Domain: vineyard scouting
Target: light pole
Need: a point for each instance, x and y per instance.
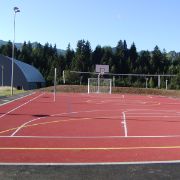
(2, 68)
(16, 10)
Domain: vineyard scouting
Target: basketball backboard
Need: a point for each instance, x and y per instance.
(102, 68)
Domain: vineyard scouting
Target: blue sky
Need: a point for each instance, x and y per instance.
(102, 22)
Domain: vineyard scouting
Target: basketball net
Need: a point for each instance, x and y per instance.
(102, 70)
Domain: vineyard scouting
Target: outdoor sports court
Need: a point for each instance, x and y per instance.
(90, 129)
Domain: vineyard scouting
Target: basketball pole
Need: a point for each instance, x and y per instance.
(98, 81)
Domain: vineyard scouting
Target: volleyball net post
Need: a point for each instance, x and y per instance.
(55, 76)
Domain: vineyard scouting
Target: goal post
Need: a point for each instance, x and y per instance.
(99, 85)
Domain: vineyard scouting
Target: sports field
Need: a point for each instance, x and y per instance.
(89, 129)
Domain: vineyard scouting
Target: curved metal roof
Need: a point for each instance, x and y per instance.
(31, 73)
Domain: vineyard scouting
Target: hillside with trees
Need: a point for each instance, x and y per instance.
(121, 60)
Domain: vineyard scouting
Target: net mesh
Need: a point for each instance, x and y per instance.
(99, 85)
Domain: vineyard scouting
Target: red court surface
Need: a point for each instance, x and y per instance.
(94, 128)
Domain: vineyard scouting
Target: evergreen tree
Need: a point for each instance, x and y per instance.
(157, 61)
(97, 56)
(121, 57)
(69, 57)
(107, 56)
(166, 62)
(120, 60)
(26, 53)
(143, 63)
(82, 58)
(133, 55)
(7, 49)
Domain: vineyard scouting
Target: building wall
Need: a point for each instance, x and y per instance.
(20, 81)
(36, 85)
(19, 78)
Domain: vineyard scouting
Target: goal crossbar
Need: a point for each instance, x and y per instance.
(99, 85)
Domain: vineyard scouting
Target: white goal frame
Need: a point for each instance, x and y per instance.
(99, 85)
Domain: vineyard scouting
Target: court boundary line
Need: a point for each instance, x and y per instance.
(92, 164)
(90, 137)
(129, 148)
(17, 99)
(124, 122)
(20, 105)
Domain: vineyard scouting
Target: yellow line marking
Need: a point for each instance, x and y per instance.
(36, 124)
(57, 121)
(1, 132)
(91, 148)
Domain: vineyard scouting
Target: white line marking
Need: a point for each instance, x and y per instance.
(151, 110)
(16, 99)
(20, 106)
(92, 164)
(163, 116)
(23, 125)
(20, 127)
(90, 137)
(124, 124)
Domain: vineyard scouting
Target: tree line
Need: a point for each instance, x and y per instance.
(121, 60)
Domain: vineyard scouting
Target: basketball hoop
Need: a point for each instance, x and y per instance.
(102, 69)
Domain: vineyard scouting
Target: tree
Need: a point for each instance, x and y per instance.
(121, 58)
(133, 55)
(69, 57)
(166, 62)
(143, 62)
(7, 49)
(97, 56)
(157, 61)
(82, 58)
(107, 56)
(26, 53)
(151, 82)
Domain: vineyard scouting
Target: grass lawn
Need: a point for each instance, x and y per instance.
(6, 91)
